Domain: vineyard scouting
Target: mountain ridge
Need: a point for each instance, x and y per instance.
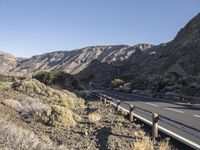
(76, 60)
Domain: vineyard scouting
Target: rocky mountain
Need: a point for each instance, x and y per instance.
(7, 62)
(171, 67)
(181, 55)
(75, 61)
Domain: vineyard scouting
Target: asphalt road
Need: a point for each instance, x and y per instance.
(187, 115)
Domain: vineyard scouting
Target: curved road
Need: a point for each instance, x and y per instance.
(187, 115)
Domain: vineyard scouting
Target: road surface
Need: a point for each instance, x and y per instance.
(187, 116)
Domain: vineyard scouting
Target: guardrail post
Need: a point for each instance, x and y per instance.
(110, 102)
(101, 99)
(154, 126)
(104, 101)
(131, 113)
(182, 98)
(118, 105)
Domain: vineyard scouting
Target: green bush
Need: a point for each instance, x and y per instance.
(5, 85)
(117, 83)
(59, 79)
(122, 113)
(59, 116)
(36, 89)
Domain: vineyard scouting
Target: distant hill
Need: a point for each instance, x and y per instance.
(7, 62)
(169, 67)
(75, 61)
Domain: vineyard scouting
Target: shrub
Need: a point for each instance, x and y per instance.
(122, 113)
(52, 107)
(116, 83)
(14, 104)
(35, 89)
(59, 79)
(59, 116)
(145, 143)
(31, 105)
(14, 137)
(5, 85)
(94, 117)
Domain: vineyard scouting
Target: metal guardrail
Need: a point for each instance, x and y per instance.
(181, 98)
(169, 97)
(154, 122)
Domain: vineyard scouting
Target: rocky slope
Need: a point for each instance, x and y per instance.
(7, 62)
(35, 116)
(173, 66)
(169, 67)
(76, 60)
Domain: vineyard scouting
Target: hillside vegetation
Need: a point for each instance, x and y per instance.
(36, 116)
(59, 79)
(36, 100)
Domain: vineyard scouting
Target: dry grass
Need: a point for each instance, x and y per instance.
(144, 142)
(164, 145)
(59, 116)
(14, 104)
(94, 117)
(5, 85)
(16, 138)
(35, 89)
(52, 107)
(31, 105)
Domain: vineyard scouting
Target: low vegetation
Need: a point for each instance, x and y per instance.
(59, 116)
(14, 104)
(145, 143)
(5, 85)
(117, 83)
(94, 117)
(41, 117)
(14, 137)
(37, 102)
(59, 79)
(35, 89)
(122, 113)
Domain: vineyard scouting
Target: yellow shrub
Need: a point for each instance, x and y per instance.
(5, 85)
(59, 116)
(94, 117)
(14, 104)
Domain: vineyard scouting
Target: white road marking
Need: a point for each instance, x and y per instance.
(196, 116)
(181, 138)
(174, 110)
(152, 104)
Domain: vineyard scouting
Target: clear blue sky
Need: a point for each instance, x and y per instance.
(29, 27)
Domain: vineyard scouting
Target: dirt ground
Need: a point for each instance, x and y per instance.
(110, 130)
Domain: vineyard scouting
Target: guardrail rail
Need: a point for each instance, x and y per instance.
(120, 105)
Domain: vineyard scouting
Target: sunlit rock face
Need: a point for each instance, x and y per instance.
(168, 67)
(77, 60)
